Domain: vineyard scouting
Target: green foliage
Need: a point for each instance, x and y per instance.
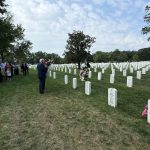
(21, 50)
(144, 54)
(39, 55)
(122, 56)
(56, 58)
(146, 29)
(34, 57)
(12, 40)
(135, 57)
(101, 56)
(77, 48)
(2, 7)
(118, 56)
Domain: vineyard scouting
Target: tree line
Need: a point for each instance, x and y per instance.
(122, 56)
(99, 56)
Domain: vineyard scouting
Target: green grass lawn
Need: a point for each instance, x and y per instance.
(66, 119)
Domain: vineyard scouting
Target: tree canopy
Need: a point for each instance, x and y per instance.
(12, 40)
(122, 56)
(78, 46)
(146, 29)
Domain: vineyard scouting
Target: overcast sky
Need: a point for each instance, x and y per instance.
(116, 24)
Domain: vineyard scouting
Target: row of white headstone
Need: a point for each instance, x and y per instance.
(112, 92)
(112, 78)
(120, 66)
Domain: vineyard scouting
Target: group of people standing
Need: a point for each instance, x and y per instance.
(8, 70)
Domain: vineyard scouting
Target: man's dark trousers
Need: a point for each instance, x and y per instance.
(41, 85)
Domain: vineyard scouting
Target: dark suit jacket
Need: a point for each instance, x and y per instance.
(42, 70)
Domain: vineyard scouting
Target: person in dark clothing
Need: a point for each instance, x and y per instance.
(16, 70)
(24, 68)
(11, 68)
(42, 68)
(88, 65)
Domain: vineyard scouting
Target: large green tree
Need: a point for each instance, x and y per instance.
(21, 51)
(10, 36)
(77, 48)
(146, 29)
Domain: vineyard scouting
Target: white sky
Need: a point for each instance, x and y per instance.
(116, 24)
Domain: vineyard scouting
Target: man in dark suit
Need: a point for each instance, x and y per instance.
(42, 68)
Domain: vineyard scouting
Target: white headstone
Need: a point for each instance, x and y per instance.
(129, 81)
(103, 70)
(131, 70)
(66, 79)
(90, 74)
(50, 73)
(148, 114)
(69, 70)
(138, 76)
(87, 87)
(99, 75)
(95, 69)
(112, 97)
(74, 83)
(112, 78)
(65, 69)
(54, 75)
(121, 69)
(113, 71)
(75, 71)
(124, 73)
(143, 71)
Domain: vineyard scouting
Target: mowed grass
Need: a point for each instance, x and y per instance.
(66, 119)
